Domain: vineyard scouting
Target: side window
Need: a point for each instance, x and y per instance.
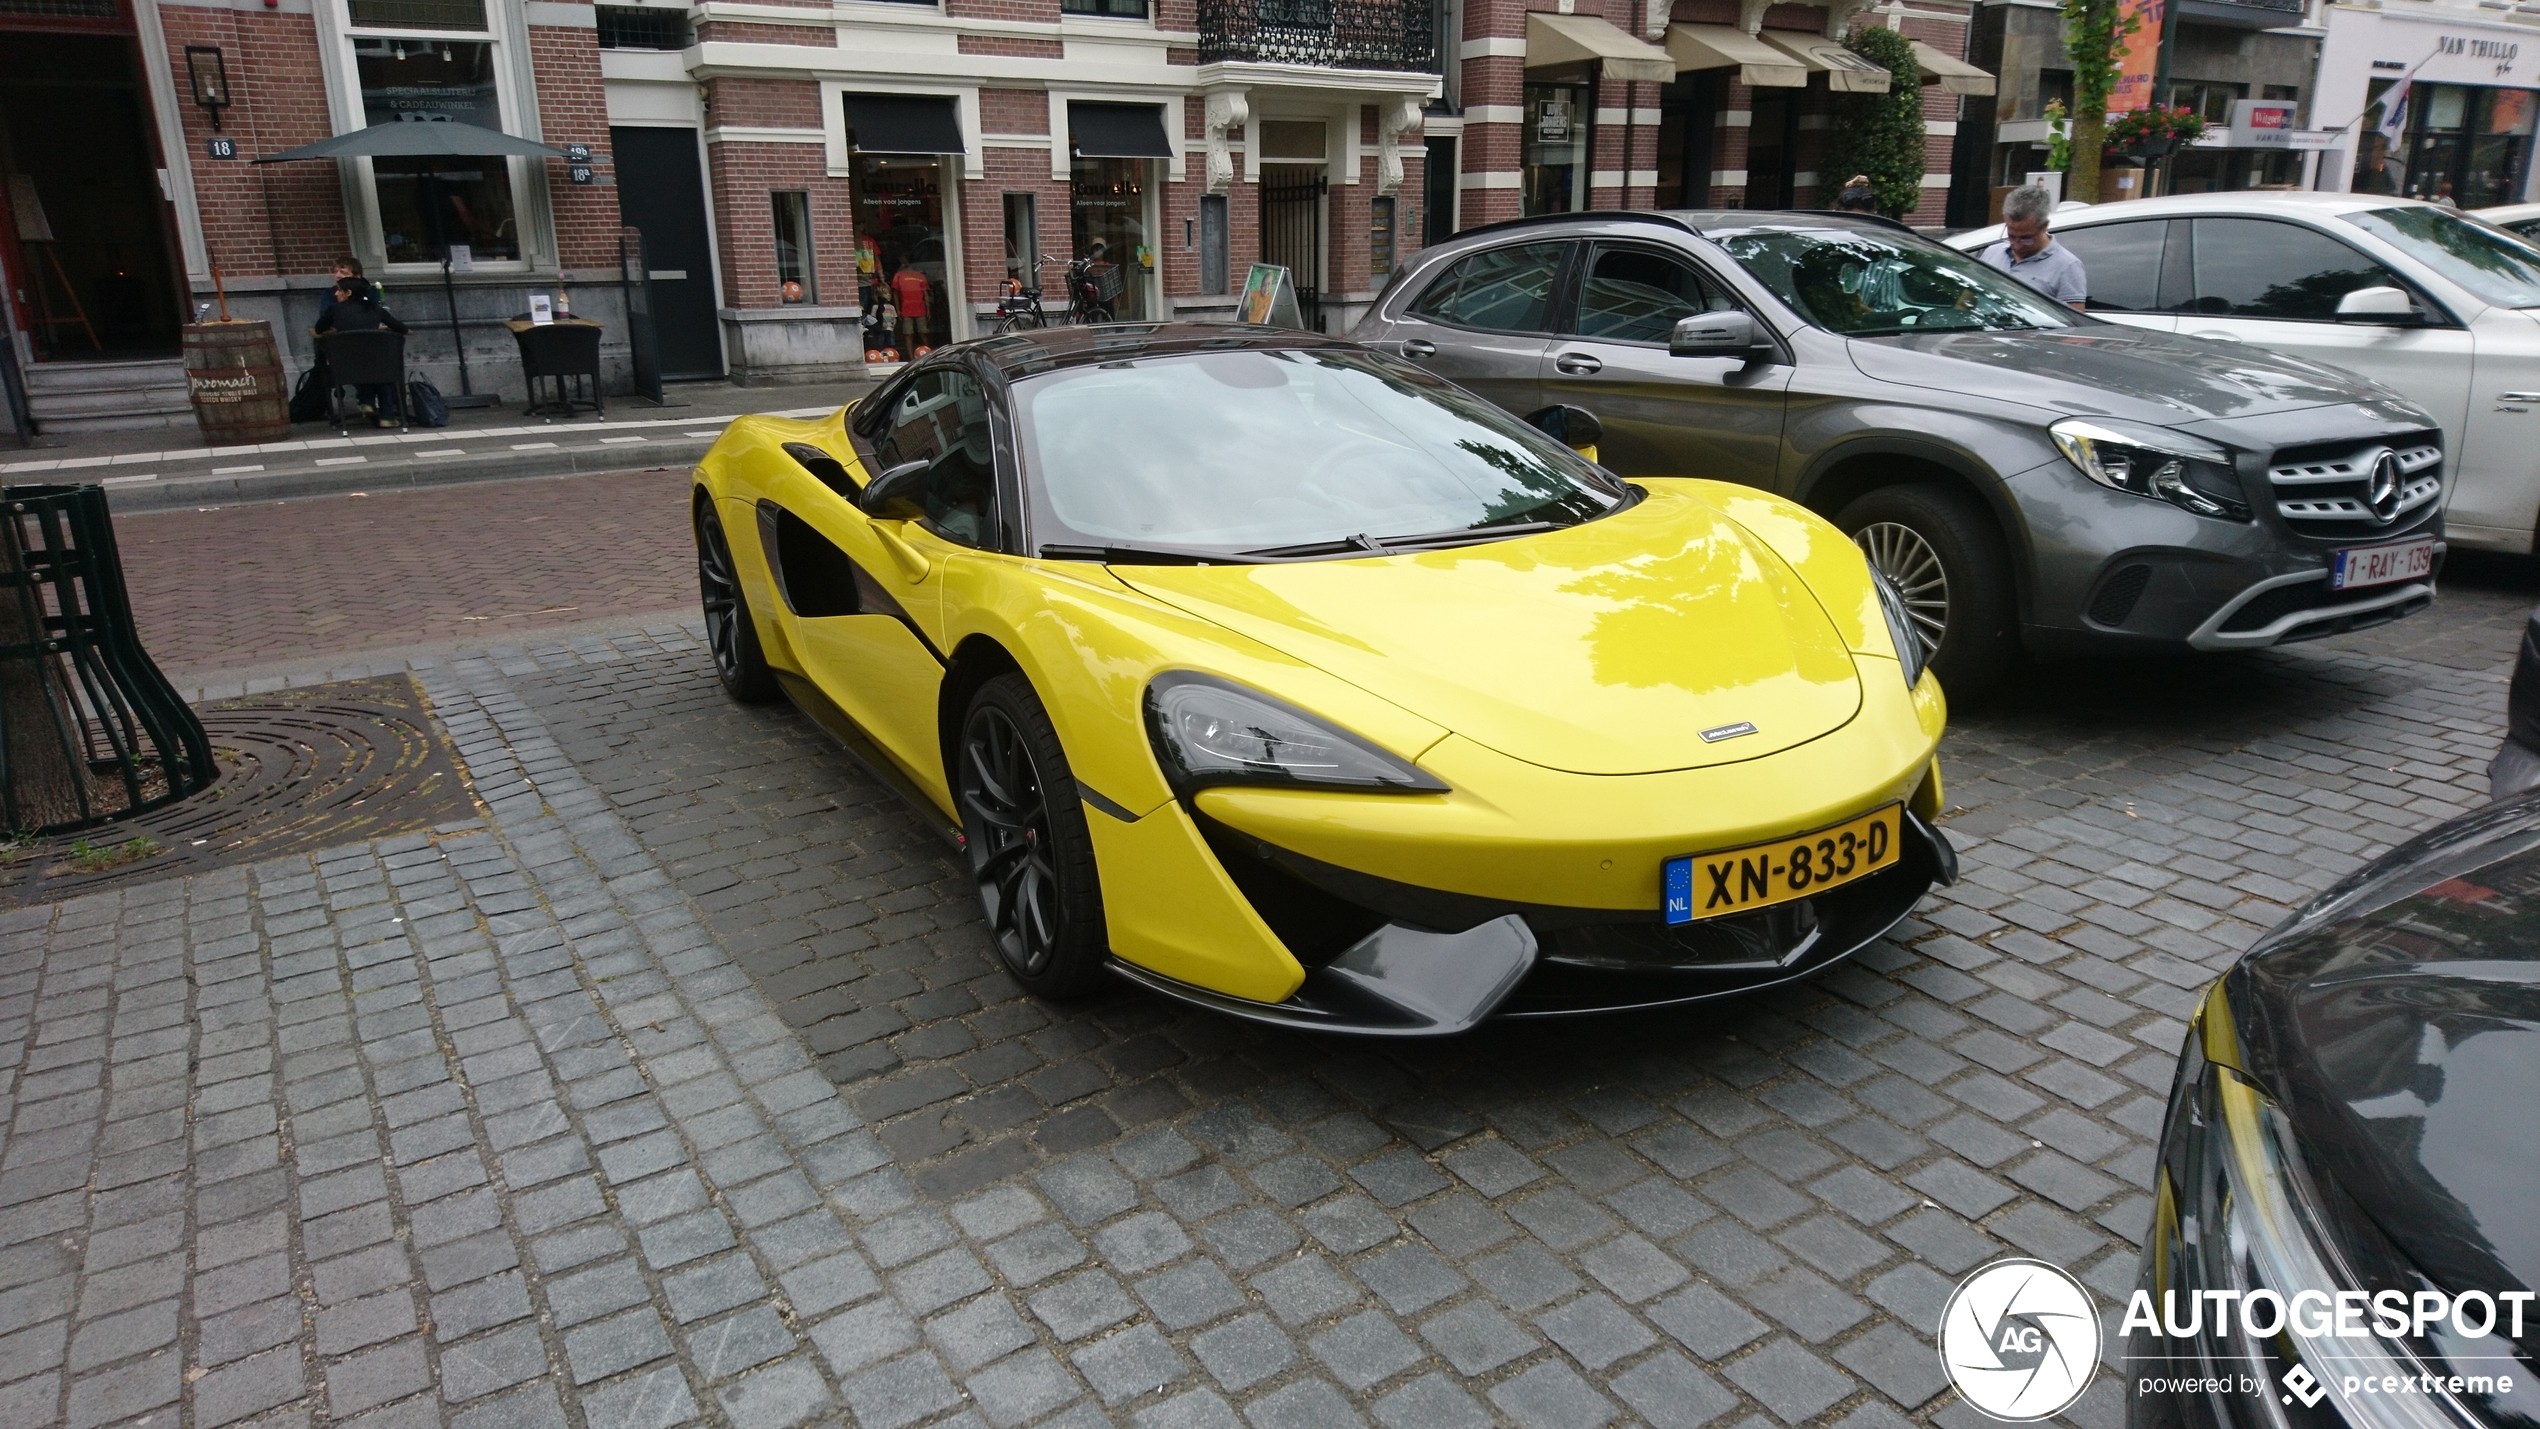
(1637, 295)
(2252, 268)
(1503, 290)
(942, 419)
(2122, 261)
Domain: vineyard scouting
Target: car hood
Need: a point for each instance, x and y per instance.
(1603, 648)
(2404, 1043)
(2112, 371)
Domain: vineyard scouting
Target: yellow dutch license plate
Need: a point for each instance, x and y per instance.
(1739, 880)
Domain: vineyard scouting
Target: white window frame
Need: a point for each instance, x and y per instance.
(515, 94)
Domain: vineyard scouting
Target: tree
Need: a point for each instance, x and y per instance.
(2095, 33)
(1881, 135)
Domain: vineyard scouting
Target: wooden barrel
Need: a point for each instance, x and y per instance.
(235, 378)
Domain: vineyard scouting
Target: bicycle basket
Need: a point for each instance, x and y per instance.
(1106, 280)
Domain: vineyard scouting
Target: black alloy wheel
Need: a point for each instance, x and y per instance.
(1030, 852)
(730, 633)
(1944, 554)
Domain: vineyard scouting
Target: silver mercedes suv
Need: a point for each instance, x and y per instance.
(2030, 476)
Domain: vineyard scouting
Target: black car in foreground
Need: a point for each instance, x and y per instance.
(2347, 1210)
(2517, 766)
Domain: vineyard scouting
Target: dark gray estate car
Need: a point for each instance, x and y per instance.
(2026, 474)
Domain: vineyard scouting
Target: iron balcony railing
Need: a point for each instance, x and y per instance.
(1336, 34)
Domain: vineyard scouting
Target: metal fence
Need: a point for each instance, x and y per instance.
(1345, 34)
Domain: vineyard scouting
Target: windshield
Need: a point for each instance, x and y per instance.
(1246, 451)
(2501, 269)
(1868, 284)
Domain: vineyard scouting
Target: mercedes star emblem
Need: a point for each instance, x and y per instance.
(2382, 488)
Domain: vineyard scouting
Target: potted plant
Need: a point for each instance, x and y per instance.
(2153, 132)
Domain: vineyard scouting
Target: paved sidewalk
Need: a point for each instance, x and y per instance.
(172, 470)
(681, 1087)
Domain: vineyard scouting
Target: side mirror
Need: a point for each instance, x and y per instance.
(1730, 334)
(899, 493)
(1574, 427)
(2383, 304)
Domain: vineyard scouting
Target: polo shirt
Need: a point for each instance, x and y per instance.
(2054, 271)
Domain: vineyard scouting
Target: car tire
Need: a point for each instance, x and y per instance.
(1945, 554)
(1023, 827)
(731, 634)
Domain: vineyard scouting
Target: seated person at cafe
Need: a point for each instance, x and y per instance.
(355, 307)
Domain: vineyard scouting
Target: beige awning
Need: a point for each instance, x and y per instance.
(1954, 75)
(1845, 72)
(1727, 46)
(1556, 40)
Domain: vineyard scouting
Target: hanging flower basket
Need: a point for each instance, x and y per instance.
(2153, 132)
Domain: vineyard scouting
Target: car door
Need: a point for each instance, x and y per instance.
(2275, 284)
(2122, 263)
(1483, 322)
(1717, 417)
(866, 595)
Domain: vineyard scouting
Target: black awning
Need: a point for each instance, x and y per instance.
(902, 124)
(1118, 131)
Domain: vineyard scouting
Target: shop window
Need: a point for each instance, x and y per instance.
(426, 204)
(1109, 9)
(1212, 243)
(417, 14)
(1022, 240)
(638, 27)
(1554, 171)
(1107, 211)
(1380, 236)
(899, 222)
(796, 282)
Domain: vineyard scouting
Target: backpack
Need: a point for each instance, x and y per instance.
(425, 406)
(309, 399)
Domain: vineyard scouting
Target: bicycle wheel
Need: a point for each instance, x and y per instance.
(1015, 322)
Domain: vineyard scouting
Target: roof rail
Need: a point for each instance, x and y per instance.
(1593, 215)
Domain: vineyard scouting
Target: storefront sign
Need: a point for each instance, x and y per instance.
(2500, 53)
(2140, 59)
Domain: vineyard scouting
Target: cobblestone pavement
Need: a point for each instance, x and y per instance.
(246, 585)
(681, 1087)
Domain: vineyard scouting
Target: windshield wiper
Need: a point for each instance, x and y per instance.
(1118, 554)
(1362, 543)
(1468, 534)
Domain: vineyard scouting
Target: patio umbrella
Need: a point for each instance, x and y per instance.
(431, 139)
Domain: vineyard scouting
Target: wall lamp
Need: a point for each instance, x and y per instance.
(210, 74)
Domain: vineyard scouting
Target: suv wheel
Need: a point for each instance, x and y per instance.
(1943, 553)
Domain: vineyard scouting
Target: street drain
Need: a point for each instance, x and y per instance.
(300, 770)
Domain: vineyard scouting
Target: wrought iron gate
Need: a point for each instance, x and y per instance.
(1292, 235)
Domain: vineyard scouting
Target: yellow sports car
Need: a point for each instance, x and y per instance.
(1277, 675)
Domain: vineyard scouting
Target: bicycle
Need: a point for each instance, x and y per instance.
(1019, 309)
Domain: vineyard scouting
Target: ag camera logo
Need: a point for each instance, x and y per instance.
(2020, 1340)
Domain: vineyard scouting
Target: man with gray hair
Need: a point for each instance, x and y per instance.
(2027, 252)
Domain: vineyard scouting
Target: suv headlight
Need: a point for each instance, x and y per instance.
(1211, 731)
(1900, 628)
(2149, 461)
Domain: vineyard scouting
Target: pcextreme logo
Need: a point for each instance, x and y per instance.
(2020, 1340)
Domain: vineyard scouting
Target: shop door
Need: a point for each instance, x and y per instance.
(1292, 233)
(98, 271)
(660, 191)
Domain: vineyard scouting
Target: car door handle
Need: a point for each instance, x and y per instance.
(1578, 364)
(1418, 347)
(2518, 396)
(2216, 336)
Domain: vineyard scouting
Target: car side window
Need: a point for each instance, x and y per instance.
(2256, 268)
(2123, 262)
(1500, 290)
(941, 418)
(1638, 294)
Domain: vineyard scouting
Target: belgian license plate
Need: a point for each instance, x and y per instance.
(2380, 565)
(1739, 880)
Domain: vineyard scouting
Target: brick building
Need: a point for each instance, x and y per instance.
(825, 184)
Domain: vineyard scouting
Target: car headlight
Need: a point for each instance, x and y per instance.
(1900, 628)
(2149, 461)
(1211, 731)
(2239, 1214)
